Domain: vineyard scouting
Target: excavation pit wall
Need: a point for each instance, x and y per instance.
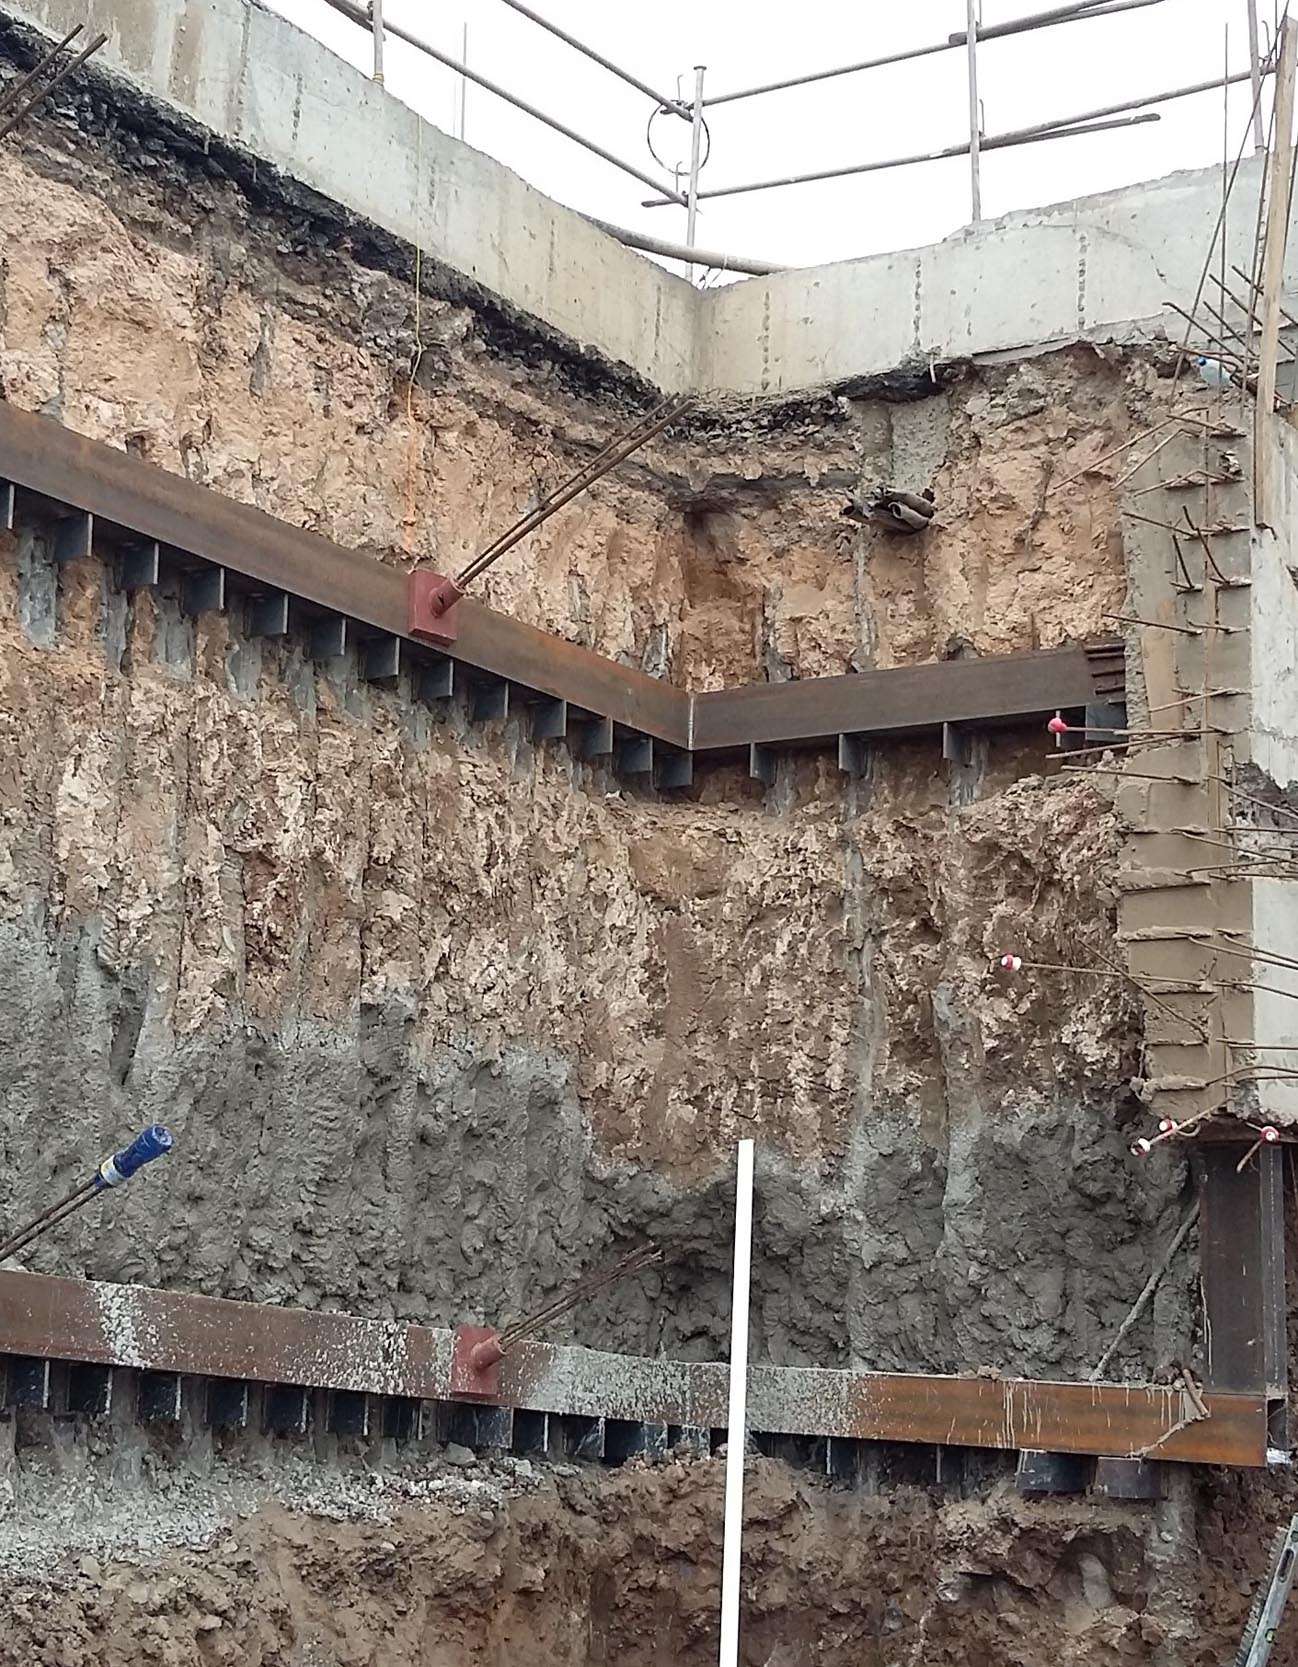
(181, 1546)
(443, 1018)
(258, 1554)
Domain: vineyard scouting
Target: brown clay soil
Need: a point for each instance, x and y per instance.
(582, 1567)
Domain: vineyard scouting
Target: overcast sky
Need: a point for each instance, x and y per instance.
(922, 106)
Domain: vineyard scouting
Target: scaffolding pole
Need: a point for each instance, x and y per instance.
(1279, 186)
(1073, 129)
(1019, 26)
(355, 13)
(672, 104)
(679, 251)
(696, 140)
(1255, 73)
(1065, 127)
(975, 115)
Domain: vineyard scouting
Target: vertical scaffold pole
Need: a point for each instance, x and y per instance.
(975, 115)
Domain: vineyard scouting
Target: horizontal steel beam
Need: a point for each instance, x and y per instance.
(170, 1331)
(902, 701)
(141, 499)
(139, 504)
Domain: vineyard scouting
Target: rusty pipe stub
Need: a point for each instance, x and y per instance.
(431, 611)
(476, 1354)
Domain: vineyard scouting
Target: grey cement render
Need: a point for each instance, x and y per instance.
(1103, 267)
(344, 1167)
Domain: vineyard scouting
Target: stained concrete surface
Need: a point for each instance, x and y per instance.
(1103, 267)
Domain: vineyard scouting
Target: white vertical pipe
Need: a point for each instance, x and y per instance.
(376, 14)
(696, 136)
(737, 1431)
(1255, 76)
(464, 83)
(975, 115)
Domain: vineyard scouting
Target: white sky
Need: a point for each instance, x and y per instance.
(921, 106)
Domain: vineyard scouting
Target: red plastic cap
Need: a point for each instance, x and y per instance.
(1057, 726)
(1011, 963)
(1270, 1134)
(1142, 1148)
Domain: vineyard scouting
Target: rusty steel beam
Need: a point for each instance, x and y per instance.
(171, 1331)
(46, 458)
(1242, 1274)
(152, 507)
(905, 700)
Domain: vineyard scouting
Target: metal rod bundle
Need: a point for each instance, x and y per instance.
(153, 1142)
(617, 450)
(639, 1259)
(13, 94)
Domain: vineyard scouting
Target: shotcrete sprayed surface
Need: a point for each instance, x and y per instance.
(440, 1017)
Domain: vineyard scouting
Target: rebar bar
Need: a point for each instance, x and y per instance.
(614, 452)
(589, 1286)
(1151, 1285)
(49, 1217)
(149, 1145)
(11, 94)
(49, 87)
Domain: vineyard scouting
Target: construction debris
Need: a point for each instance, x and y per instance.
(900, 512)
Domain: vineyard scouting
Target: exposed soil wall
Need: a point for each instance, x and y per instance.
(226, 325)
(440, 1016)
(437, 1014)
(273, 1561)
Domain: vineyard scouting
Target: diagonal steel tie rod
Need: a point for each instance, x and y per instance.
(153, 1142)
(494, 1347)
(447, 591)
(14, 93)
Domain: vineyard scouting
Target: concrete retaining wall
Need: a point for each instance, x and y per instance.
(1102, 267)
